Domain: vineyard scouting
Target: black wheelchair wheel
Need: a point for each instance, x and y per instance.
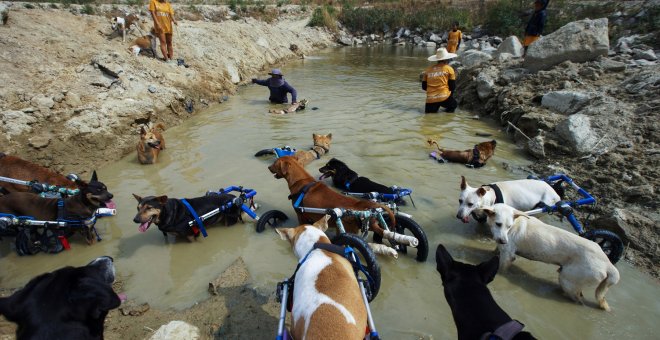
(608, 241)
(368, 260)
(272, 218)
(404, 223)
(27, 242)
(51, 243)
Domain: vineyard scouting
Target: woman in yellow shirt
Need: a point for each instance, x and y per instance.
(163, 15)
(439, 82)
(454, 38)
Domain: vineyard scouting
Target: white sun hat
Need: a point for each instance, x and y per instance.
(442, 54)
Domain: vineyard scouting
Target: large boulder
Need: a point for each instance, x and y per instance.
(16, 122)
(176, 330)
(577, 133)
(578, 41)
(566, 102)
(512, 46)
(485, 85)
(473, 58)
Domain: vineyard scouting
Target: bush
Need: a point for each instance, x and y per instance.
(325, 16)
(87, 9)
(504, 18)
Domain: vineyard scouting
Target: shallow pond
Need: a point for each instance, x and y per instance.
(371, 101)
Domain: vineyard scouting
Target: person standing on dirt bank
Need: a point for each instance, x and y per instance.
(439, 82)
(454, 38)
(278, 88)
(536, 23)
(163, 15)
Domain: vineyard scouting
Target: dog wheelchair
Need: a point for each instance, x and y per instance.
(33, 236)
(45, 189)
(244, 200)
(608, 241)
(403, 221)
(284, 294)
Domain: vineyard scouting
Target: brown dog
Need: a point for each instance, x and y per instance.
(17, 168)
(150, 144)
(475, 157)
(319, 195)
(320, 148)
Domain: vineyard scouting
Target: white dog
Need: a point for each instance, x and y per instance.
(524, 194)
(124, 23)
(581, 262)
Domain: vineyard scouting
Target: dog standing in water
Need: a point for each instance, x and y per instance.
(18, 168)
(475, 157)
(327, 302)
(150, 144)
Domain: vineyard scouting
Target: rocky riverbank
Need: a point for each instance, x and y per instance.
(71, 89)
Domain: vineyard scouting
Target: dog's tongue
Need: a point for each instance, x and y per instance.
(323, 176)
(111, 204)
(144, 226)
(466, 219)
(122, 297)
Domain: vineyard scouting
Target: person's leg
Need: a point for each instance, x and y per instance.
(432, 108)
(163, 46)
(450, 104)
(170, 49)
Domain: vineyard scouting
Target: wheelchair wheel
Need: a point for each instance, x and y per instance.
(608, 241)
(404, 223)
(368, 260)
(27, 242)
(272, 218)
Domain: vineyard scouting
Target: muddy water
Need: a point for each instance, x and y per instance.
(371, 101)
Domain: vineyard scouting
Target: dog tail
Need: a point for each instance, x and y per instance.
(611, 279)
(160, 126)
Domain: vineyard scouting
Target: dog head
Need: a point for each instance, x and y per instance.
(115, 22)
(322, 140)
(331, 168)
(67, 303)
(302, 238)
(149, 209)
(469, 200)
(95, 192)
(486, 150)
(458, 275)
(148, 138)
(280, 168)
(501, 218)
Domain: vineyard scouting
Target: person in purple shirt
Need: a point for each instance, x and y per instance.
(278, 88)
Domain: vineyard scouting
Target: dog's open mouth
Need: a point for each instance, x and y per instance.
(325, 175)
(154, 145)
(144, 226)
(109, 204)
(466, 219)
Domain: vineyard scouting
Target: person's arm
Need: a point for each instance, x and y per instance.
(152, 10)
(261, 82)
(172, 16)
(460, 37)
(294, 93)
(452, 84)
(424, 85)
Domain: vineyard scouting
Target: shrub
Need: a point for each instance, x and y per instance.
(324, 16)
(87, 9)
(504, 18)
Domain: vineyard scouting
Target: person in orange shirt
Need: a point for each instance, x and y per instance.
(454, 38)
(439, 82)
(163, 15)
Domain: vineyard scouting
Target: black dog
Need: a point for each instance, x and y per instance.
(172, 216)
(69, 303)
(476, 314)
(343, 178)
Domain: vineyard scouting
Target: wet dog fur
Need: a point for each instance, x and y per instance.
(172, 217)
(486, 151)
(474, 310)
(69, 303)
(151, 143)
(320, 148)
(18, 168)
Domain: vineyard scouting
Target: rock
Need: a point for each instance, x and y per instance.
(58, 98)
(133, 309)
(644, 54)
(486, 47)
(485, 85)
(103, 81)
(43, 102)
(578, 41)
(535, 147)
(429, 44)
(16, 122)
(406, 33)
(642, 82)
(234, 276)
(566, 102)
(626, 224)
(612, 65)
(357, 41)
(576, 131)
(232, 71)
(503, 57)
(344, 39)
(643, 62)
(39, 141)
(264, 43)
(511, 45)
(176, 330)
(152, 89)
(643, 191)
(435, 38)
(512, 75)
(473, 58)
(73, 100)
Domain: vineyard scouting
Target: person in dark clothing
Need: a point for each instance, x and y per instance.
(278, 88)
(536, 23)
(439, 82)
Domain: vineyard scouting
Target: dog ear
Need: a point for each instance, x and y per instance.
(481, 191)
(143, 130)
(444, 262)
(488, 269)
(488, 211)
(463, 183)
(94, 296)
(285, 233)
(94, 178)
(330, 136)
(314, 136)
(162, 199)
(518, 213)
(138, 198)
(284, 167)
(322, 223)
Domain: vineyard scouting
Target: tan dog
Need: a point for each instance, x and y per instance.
(319, 195)
(150, 144)
(475, 157)
(299, 106)
(327, 302)
(320, 148)
(144, 43)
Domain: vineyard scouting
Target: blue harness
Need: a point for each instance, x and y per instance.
(198, 220)
(301, 194)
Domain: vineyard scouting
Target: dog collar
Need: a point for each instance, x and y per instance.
(474, 162)
(498, 193)
(505, 332)
(301, 194)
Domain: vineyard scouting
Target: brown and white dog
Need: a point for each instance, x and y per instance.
(475, 157)
(327, 302)
(320, 148)
(145, 43)
(150, 144)
(122, 24)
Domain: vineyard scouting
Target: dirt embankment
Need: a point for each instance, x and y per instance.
(70, 90)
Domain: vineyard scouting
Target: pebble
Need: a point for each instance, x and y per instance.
(152, 89)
